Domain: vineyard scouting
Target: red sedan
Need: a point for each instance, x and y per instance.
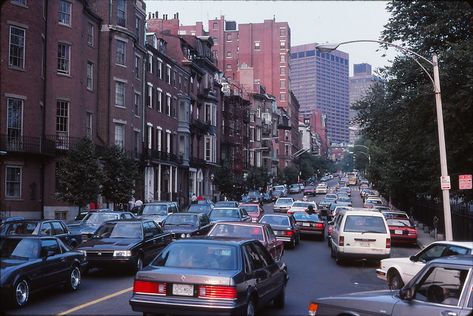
(254, 210)
(402, 231)
(310, 224)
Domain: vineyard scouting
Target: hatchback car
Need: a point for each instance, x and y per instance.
(204, 277)
(284, 227)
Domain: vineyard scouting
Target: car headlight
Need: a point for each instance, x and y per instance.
(183, 235)
(188, 235)
(83, 252)
(122, 253)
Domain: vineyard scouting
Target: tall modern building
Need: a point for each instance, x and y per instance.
(360, 84)
(320, 81)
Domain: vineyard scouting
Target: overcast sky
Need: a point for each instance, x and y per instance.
(310, 21)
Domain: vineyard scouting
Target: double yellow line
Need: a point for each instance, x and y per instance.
(72, 310)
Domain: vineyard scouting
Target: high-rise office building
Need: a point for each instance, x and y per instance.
(320, 81)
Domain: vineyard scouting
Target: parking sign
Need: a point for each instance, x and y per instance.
(464, 182)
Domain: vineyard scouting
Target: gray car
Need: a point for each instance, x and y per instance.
(210, 277)
(158, 211)
(442, 287)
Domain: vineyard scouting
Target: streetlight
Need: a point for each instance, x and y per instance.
(438, 102)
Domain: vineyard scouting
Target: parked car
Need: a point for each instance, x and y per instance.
(254, 210)
(302, 206)
(294, 188)
(309, 190)
(399, 271)
(92, 221)
(226, 204)
(283, 204)
(321, 188)
(402, 231)
(158, 211)
(235, 214)
(284, 227)
(360, 234)
(310, 224)
(32, 263)
(442, 287)
(130, 243)
(259, 231)
(200, 208)
(201, 277)
(186, 225)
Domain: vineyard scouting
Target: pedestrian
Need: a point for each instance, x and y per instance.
(310, 209)
(138, 203)
(194, 198)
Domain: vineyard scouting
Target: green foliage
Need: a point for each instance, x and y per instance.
(399, 118)
(226, 180)
(78, 175)
(257, 178)
(119, 175)
(290, 174)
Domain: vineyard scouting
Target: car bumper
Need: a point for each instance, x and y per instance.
(281, 209)
(404, 239)
(110, 262)
(381, 274)
(284, 239)
(184, 306)
(360, 255)
(311, 232)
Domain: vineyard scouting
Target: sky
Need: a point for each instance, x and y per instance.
(310, 21)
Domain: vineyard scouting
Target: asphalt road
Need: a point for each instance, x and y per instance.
(312, 274)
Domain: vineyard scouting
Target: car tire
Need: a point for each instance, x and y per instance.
(339, 260)
(395, 281)
(293, 243)
(73, 282)
(138, 264)
(21, 293)
(250, 308)
(280, 299)
(332, 252)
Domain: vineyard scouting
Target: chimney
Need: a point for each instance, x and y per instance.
(152, 15)
(149, 15)
(177, 15)
(157, 15)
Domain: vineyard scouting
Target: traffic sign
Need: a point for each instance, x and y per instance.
(445, 183)
(464, 182)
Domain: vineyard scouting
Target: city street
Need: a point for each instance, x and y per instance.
(312, 274)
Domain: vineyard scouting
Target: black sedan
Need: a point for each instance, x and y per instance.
(129, 243)
(210, 277)
(284, 227)
(55, 228)
(31, 263)
(310, 224)
(185, 225)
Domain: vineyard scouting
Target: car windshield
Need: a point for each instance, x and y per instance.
(187, 219)
(395, 215)
(198, 256)
(250, 208)
(222, 212)
(301, 204)
(97, 218)
(275, 220)
(23, 228)
(399, 222)
(365, 223)
(237, 231)
(120, 230)
(155, 209)
(303, 216)
(26, 248)
(284, 201)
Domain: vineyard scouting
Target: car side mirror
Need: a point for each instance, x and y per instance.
(407, 293)
(413, 258)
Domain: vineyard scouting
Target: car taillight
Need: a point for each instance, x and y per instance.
(388, 242)
(217, 292)
(341, 241)
(313, 307)
(319, 225)
(289, 233)
(412, 232)
(148, 287)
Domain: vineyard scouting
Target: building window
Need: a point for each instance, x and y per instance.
(138, 29)
(252, 134)
(168, 104)
(282, 84)
(90, 76)
(282, 44)
(149, 96)
(159, 98)
(90, 34)
(159, 140)
(229, 67)
(22, 3)
(63, 58)
(257, 45)
(121, 52)
(160, 69)
(121, 13)
(88, 125)
(119, 94)
(64, 12)
(137, 104)
(168, 74)
(120, 135)
(229, 54)
(17, 47)
(282, 71)
(215, 25)
(283, 96)
(150, 136)
(282, 58)
(229, 37)
(282, 31)
(13, 175)
(136, 143)
(14, 121)
(150, 63)
(286, 149)
(138, 67)
(62, 123)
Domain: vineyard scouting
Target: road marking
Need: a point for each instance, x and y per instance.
(95, 301)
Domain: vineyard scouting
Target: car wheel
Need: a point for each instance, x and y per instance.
(329, 242)
(22, 293)
(250, 308)
(138, 263)
(338, 259)
(73, 282)
(280, 300)
(395, 281)
(293, 243)
(332, 252)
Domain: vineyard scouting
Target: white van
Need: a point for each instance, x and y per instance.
(360, 234)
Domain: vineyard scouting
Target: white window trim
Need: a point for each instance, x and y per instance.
(68, 73)
(124, 94)
(9, 43)
(70, 14)
(92, 76)
(21, 182)
(22, 112)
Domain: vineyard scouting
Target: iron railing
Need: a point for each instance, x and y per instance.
(27, 144)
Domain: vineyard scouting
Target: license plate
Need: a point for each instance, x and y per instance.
(278, 233)
(305, 224)
(364, 243)
(398, 232)
(183, 289)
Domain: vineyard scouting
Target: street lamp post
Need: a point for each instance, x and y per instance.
(438, 102)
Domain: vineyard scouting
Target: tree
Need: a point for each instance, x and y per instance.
(257, 178)
(78, 175)
(290, 174)
(120, 174)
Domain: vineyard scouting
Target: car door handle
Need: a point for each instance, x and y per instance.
(449, 313)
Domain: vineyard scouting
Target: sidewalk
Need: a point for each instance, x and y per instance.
(423, 239)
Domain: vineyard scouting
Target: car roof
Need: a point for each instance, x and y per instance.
(226, 208)
(23, 236)
(131, 220)
(362, 211)
(241, 223)
(213, 240)
(468, 244)
(280, 215)
(460, 260)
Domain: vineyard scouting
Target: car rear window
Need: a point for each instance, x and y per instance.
(198, 256)
(237, 231)
(250, 208)
(18, 228)
(233, 213)
(275, 220)
(303, 216)
(364, 223)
